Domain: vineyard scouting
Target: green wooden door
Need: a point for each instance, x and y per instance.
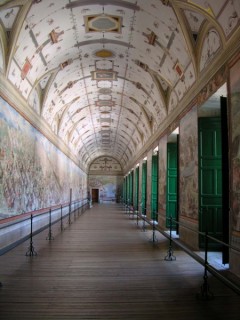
(225, 178)
(172, 181)
(154, 195)
(144, 186)
(125, 190)
(128, 189)
(136, 188)
(127, 196)
(210, 179)
(131, 188)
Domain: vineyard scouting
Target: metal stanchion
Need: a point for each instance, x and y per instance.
(50, 236)
(170, 256)
(144, 223)
(69, 214)
(131, 211)
(139, 212)
(62, 228)
(205, 293)
(154, 238)
(74, 213)
(131, 215)
(31, 252)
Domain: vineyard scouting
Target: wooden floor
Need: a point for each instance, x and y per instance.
(103, 266)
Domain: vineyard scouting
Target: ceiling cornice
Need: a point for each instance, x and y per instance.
(232, 48)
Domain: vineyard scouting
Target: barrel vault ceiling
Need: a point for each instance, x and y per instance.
(106, 75)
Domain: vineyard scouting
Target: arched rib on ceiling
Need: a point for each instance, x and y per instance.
(106, 74)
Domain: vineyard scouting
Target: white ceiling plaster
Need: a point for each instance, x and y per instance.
(111, 105)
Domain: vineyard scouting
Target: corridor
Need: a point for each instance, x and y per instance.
(103, 266)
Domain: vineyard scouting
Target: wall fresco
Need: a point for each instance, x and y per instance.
(33, 173)
(1, 58)
(105, 165)
(235, 144)
(188, 165)
(109, 187)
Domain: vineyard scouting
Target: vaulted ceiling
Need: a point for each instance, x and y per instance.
(106, 75)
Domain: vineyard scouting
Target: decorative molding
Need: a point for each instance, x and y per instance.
(190, 98)
(124, 4)
(212, 86)
(103, 23)
(105, 103)
(166, 2)
(105, 165)
(26, 68)
(54, 36)
(179, 70)
(104, 75)
(104, 54)
(151, 37)
(142, 65)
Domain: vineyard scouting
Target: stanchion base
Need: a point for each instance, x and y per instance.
(50, 237)
(205, 294)
(31, 252)
(170, 256)
(144, 226)
(153, 239)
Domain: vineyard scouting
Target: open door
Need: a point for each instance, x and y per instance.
(214, 171)
(131, 188)
(225, 179)
(136, 190)
(144, 186)
(154, 194)
(95, 195)
(210, 180)
(172, 182)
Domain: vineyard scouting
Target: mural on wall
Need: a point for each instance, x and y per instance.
(105, 165)
(235, 159)
(213, 85)
(211, 45)
(1, 58)
(188, 165)
(33, 173)
(162, 175)
(109, 187)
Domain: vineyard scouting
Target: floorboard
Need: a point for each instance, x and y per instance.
(103, 266)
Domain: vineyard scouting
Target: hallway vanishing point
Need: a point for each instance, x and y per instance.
(103, 266)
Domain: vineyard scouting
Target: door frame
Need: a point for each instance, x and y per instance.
(172, 197)
(210, 212)
(97, 194)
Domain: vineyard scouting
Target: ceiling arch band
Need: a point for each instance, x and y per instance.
(107, 75)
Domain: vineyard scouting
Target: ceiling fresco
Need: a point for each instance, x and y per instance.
(105, 75)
